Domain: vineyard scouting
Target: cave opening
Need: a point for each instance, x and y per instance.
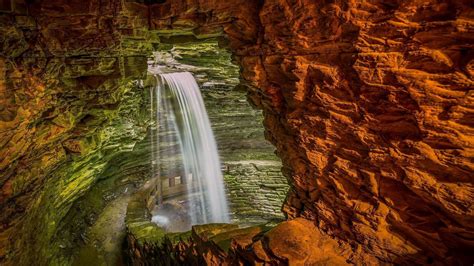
(142, 188)
(248, 162)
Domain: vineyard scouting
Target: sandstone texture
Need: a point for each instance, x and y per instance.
(369, 104)
(225, 244)
(68, 107)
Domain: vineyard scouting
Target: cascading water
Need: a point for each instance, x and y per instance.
(185, 129)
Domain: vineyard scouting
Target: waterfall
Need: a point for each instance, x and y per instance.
(184, 126)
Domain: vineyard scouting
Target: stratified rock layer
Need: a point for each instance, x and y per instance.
(369, 104)
(227, 244)
(254, 183)
(371, 110)
(67, 108)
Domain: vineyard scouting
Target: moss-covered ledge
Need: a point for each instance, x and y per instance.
(147, 243)
(138, 222)
(227, 244)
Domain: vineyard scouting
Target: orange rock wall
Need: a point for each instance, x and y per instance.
(370, 105)
(63, 71)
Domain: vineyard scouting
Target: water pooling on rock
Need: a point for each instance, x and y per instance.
(187, 146)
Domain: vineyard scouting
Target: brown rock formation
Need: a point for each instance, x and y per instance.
(63, 81)
(370, 111)
(295, 242)
(369, 104)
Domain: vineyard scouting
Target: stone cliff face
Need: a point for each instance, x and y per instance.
(67, 107)
(370, 108)
(369, 104)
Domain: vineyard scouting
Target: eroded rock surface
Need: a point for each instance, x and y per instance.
(372, 118)
(67, 107)
(254, 183)
(298, 242)
(369, 104)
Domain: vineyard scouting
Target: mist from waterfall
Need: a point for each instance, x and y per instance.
(183, 126)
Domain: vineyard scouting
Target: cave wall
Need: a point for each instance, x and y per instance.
(91, 231)
(255, 185)
(65, 77)
(369, 104)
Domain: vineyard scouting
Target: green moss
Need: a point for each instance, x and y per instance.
(181, 236)
(55, 235)
(224, 239)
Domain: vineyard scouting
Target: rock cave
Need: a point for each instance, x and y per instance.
(265, 132)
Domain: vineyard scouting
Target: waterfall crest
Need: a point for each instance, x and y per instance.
(180, 110)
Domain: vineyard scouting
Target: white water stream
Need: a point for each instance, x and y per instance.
(181, 111)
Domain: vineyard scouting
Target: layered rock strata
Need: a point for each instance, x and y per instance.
(65, 79)
(225, 244)
(255, 185)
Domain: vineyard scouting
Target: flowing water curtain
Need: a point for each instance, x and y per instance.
(168, 148)
(182, 108)
(155, 171)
